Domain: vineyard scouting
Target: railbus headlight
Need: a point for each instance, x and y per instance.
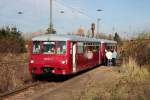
(63, 62)
(31, 61)
(53, 71)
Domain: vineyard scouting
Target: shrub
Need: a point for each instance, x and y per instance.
(137, 49)
(11, 41)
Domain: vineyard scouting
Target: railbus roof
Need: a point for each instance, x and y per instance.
(62, 37)
(107, 41)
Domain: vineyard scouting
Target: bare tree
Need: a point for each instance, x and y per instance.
(80, 32)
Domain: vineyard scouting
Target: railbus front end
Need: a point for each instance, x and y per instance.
(49, 57)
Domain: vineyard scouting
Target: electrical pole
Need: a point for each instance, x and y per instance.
(93, 29)
(98, 20)
(51, 23)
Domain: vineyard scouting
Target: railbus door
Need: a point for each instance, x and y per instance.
(103, 47)
(74, 46)
(100, 53)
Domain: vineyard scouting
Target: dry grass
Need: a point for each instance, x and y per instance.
(129, 82)
(14, 71)
(134, 73)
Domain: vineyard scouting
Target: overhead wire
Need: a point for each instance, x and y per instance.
(74, 9)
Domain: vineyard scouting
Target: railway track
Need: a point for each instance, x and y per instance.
(29, 90)
(39, 89)
(10, 62)
(19, 89)
(25, 88)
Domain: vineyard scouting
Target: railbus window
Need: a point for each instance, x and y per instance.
(71, 47)
(88, 47)
(80, 47)
(110, 46)
(36, 47)
(60, 47)
(95, 47)
(49, 47)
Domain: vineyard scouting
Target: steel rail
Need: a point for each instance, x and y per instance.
(17, 90)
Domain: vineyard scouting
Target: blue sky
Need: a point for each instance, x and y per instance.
(123, 16)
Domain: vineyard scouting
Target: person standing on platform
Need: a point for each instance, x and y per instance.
(114, 56)
(109, 58)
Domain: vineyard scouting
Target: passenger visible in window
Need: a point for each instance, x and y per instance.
(52, 50)
(61, 49)
(58, 50)
(64, 48)
(36, 48)
(89, 53)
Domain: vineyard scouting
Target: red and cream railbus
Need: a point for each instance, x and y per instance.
(66, 54)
